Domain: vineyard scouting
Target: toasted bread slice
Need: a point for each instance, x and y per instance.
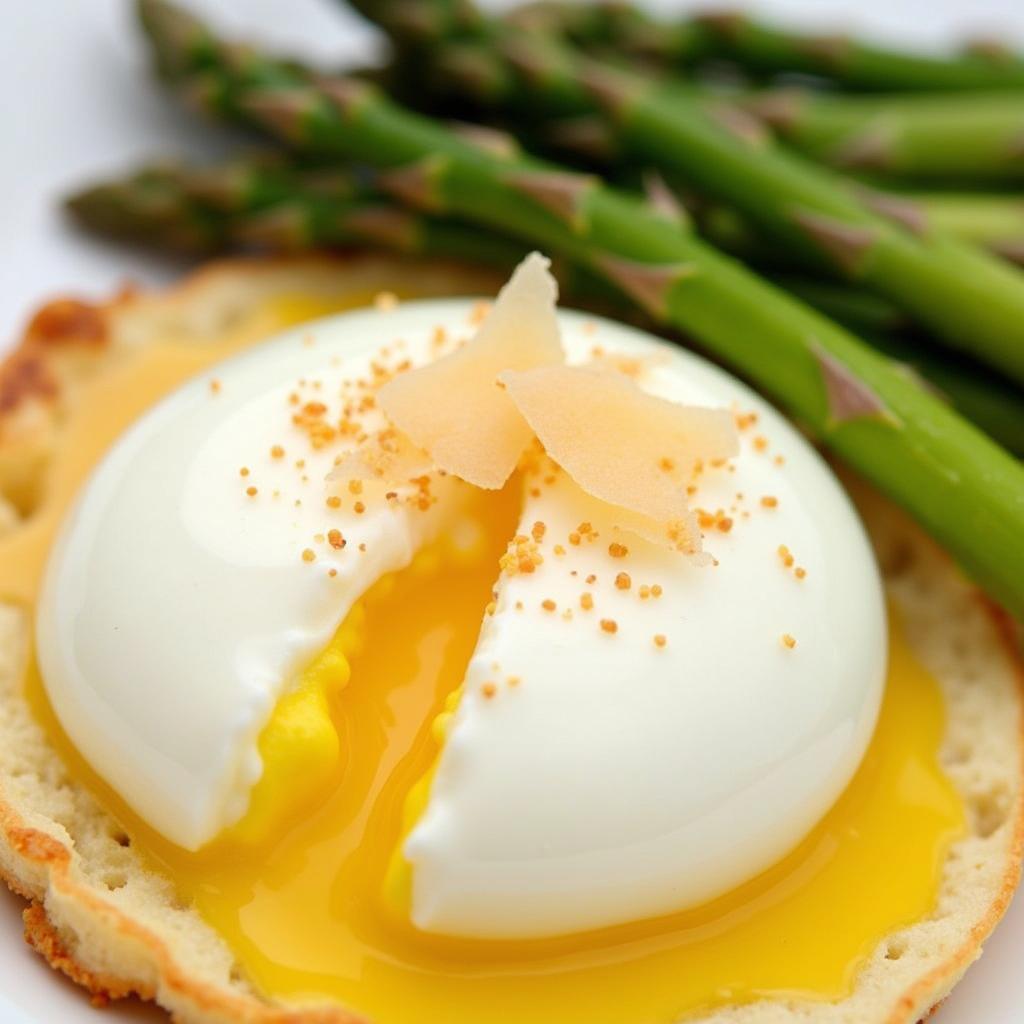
(98, 914)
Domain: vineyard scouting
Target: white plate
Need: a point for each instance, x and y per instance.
(76, 101)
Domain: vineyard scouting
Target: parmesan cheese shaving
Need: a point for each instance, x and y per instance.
(454, 408)
(388, 456)
(624, 446)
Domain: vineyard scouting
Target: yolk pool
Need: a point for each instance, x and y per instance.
(298, 895)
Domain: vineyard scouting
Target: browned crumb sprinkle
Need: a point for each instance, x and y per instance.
(522, 556)
(622, 581)
(335, 539)
(609, 626)
(617, 550)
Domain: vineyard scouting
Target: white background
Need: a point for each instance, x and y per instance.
(76, 101)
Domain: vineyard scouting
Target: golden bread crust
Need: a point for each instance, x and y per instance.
(97, 914)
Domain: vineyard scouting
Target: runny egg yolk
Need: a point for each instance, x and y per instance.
(296, 888)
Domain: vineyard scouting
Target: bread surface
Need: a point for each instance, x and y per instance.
(96, 913)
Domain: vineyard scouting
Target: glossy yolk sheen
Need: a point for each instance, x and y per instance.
(296, 887)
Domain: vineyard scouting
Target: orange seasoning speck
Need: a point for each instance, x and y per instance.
(334, 501)
(788, 641)
(489, 690)
(769, 501)
(799, 572)
(622, 581)
(586, 601)
(308, 555)
(656, 590)
(660, 640)
(538, 531)
(359, 507)
(548, 605)
(251, 491)
(760, 443)
(277, 452)
(244, 471)
(335, 539)
(609, 626)
(215, 386)
(786, 555)
(617, 550)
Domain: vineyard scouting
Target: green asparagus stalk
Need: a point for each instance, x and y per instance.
(966, 297)
(765, 49)
(263, 204)
(960, 485)
(995, 223)
(259, 204)
(976, 137)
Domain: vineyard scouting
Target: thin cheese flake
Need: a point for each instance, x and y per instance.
(628, 448)
(455, 409)
(387, 456)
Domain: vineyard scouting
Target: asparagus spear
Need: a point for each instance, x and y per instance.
(976, 137)
(960, 485)
(256, 203)
(967, 298)
(766, 49)
(995, 223)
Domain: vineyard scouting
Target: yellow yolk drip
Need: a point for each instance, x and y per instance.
(295, 888)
